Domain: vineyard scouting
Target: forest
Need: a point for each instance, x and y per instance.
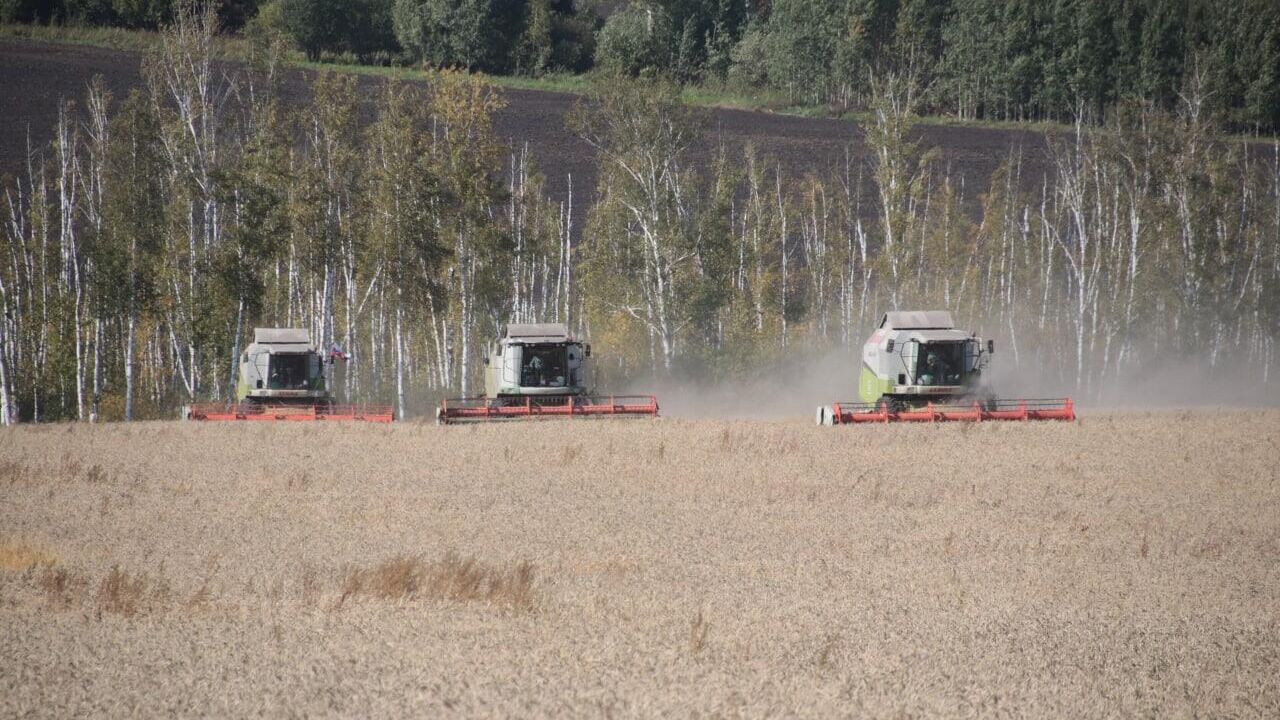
(142, 245)
(1016, 60)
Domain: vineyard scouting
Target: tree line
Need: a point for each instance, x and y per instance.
(156, 230)
(1149, 243)
(977, 59)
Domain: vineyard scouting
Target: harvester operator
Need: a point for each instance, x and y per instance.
(932, 369)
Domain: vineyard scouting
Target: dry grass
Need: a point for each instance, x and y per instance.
(452, 578)
(698, 629)
(62, 587)
(1126, 565)
(20, 555)
(122, 593)
(13, 473)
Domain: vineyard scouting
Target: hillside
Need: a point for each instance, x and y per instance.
(35, 77)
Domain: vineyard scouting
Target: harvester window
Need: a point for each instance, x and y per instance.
(287, 372)
(941, 364)
(543, 366)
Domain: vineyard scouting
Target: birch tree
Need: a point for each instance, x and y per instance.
(406, 251)
(468, 160)
(129, 254)
(642, 249)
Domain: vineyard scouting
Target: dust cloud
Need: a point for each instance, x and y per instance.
(793, 390)
(1192, 385)
(797, 388)
(1168, 385)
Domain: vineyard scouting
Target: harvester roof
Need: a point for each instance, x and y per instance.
(917, 320)
(280, 340)
(538, 332)
(281, 336)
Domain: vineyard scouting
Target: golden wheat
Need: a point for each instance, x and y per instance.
(1128, 564)
(22, 555)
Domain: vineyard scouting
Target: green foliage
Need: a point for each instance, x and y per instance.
(1020, 59)
(573, 41)
(256, 186)
(655, 253)
(314, 25)
(405, 195)
(977, 59)
(141, 13)
(334, 27)
(127, 256)
(86, 12)
(235, 14)
(749, 59)
(268, 23)
(801, 43)
(635, 39)
(372, 37)
(817, 50)
(536, 48)
(145, 14)
(965, 75)
(25, 11)
(446, 33)
(702, 35)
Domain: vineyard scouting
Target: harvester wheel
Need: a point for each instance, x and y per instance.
(889, 405)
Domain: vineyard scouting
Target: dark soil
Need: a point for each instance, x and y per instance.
(36, 77)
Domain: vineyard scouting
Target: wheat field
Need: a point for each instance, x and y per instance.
(1126, 564)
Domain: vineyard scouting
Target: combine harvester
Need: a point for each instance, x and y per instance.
(284, 377)
(541, 371)
(918, 368)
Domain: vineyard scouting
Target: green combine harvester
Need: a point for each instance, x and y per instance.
(917, 367)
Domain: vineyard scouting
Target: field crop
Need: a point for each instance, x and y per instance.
(1126, 564)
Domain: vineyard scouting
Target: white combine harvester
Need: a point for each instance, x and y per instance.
(283, 376)
(539, 370)
(917, 367)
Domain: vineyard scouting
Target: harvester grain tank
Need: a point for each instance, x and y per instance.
(283, 376)
(539, 370)
(917, 367)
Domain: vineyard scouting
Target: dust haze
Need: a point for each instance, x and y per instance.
(793, 390)
(831, 375)
(1168, 385)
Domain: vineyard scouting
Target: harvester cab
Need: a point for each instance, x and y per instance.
(918, 367)
(283, 376)
(538, 370)
(920, 356)
(536, 360)
(282, 367)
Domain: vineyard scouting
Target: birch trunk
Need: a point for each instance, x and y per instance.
(129, 343)
(235, 352)
(399, 349)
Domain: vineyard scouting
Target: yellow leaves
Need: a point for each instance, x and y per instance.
(465, 104)
(621, 341)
